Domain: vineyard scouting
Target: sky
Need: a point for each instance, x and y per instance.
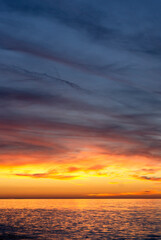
(80, 98)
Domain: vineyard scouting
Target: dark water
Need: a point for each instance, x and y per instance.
(80, 219)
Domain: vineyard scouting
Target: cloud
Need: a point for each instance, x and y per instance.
(68, 173)
(84, 71)
(48, 175)
(149, 178)
(142, 194)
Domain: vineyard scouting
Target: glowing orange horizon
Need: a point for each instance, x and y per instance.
(82, 177)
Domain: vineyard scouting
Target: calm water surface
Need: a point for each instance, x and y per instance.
(80, 219)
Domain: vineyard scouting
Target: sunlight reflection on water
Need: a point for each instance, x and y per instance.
(80, 219)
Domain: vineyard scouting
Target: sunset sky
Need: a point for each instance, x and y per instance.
(80, 98)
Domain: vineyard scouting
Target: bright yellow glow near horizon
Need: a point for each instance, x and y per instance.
(84, 178)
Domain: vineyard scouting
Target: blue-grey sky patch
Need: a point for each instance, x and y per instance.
(81, 68)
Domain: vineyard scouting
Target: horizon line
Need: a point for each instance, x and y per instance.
(39, 198)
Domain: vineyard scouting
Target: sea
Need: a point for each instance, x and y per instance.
(45, 219)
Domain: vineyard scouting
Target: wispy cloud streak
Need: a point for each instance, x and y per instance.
(80, 72)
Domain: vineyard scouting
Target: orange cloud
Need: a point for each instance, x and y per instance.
(147, 193)
(148, 178)
(47, 175)
(63, 173)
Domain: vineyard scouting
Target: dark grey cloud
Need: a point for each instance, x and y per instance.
(82, 69)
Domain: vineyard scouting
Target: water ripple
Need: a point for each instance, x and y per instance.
(80, 219)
